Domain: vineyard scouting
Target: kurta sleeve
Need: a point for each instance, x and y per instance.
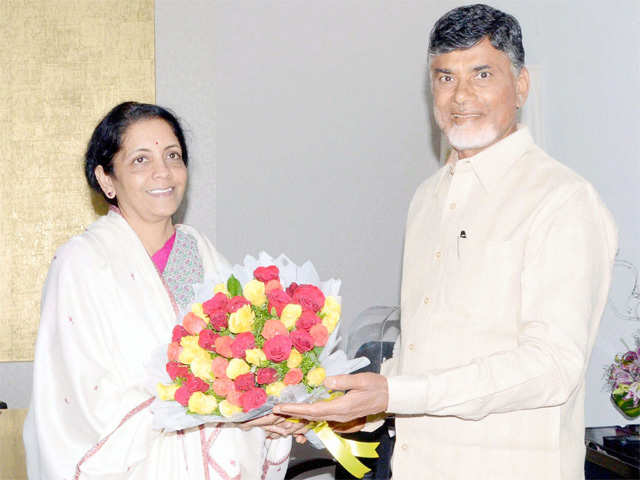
(564, 285)
(88, 417)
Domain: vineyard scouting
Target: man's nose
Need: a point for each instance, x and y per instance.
(463, 92)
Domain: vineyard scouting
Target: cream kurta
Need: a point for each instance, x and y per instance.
(506, 272)
(105, 308)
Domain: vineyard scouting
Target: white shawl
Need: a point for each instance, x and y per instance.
(104, 310)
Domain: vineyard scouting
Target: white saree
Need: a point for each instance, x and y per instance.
(105, 308)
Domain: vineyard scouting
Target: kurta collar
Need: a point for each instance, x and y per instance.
(492, 163)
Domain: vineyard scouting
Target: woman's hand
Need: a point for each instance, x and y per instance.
(276, 426)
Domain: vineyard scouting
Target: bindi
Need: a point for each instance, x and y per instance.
(156, 142)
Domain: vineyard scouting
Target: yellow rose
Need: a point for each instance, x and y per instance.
(331, 304)
(221, 288)
(275, 389)
(196, 308)
(236, 367)
(191, 352)
(254, 292)
(201, 367)
(295, 359)
(166, 392)
(255, 356)
(189, 341)
(228, 409)
(202, 404)
(290, 315)
(330, 320)
(316, 376)
(241, 320)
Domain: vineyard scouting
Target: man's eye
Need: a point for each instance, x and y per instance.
(446, 78)
(484, 75)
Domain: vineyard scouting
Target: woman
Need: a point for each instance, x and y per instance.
(111, 298)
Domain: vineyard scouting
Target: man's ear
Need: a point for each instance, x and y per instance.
(105, 182)
(522, 87)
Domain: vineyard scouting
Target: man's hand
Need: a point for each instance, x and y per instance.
(275, 426)
(367, 394)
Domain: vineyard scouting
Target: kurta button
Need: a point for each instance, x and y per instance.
(405, 447)
(412, 347)
(452, 205)
(438, 254)
(426, 300)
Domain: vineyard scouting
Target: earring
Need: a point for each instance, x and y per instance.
(109, 194)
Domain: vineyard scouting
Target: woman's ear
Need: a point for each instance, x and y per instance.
(105, 182)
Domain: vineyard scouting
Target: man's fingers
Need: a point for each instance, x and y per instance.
(310, 411)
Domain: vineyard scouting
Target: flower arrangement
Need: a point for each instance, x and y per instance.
(623, 377)
(250, 344)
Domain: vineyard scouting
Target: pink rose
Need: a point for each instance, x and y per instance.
(310, 297)
(264, 274)
(272, 285)
(252, 399)
(207, 339)
(183, 395)
(173, 351)
(223, 346)
(222, 386)
(307, 320)
(302, 340)
(244, 382)
(196, 384)
(234, 396)
(219, 367)
(291, 289)
(236, 303)
(293, 376)
(320, 335)
(242, 342)
(266, 375)
(178, 332)
(278, 300)
(175, 369)
(272, 328)
(278, 348)
(217, 302)
(219, 320)
(193, 323)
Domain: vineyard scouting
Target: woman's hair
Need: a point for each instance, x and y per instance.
(107, 137)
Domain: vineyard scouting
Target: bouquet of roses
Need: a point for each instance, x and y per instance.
(623, 377)
(253, 338)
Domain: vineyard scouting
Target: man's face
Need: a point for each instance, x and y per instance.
(476, 96)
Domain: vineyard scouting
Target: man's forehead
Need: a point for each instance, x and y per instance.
(481, 55)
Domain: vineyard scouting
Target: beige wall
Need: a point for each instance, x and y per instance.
(65, 63)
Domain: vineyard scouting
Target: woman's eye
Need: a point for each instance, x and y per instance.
(139, 160)
(175, 156)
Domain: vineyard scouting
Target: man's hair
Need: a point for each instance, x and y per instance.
(463, 27)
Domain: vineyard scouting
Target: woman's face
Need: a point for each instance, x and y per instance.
(149, 176)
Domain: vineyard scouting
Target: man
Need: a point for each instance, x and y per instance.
(507, 265)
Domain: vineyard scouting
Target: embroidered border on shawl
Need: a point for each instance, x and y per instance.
(268, 464)
(99, 445)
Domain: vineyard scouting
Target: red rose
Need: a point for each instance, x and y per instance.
(264, 274)
(302, 340)
(266, 375)
(178, 332)
(234, 395)
(252, 399)
(320, 335)
(217, 302)
(242, 342)
(207, 339)
(183, 395)
(278, 300)
(196, 384)
(307, 320)
(291, 289)
(278, 348)
(293, 376)
(223, 346)
(244, 382)
(219, 320)
(236, 303)
(310, 297)
(175, 369)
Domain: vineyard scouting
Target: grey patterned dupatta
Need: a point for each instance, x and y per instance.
(184, 268)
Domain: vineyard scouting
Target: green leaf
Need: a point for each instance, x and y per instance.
(234, 286)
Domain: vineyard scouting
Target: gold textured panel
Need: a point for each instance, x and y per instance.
(65, 63)
(12, 466)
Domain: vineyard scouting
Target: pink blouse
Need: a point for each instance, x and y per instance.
(161, 257)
